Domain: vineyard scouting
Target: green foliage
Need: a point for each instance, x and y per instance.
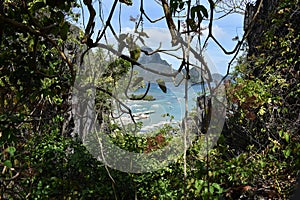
(135, 53)
(256, 157)
(263, 99)
(34, 82)
(62, 168)
(177, 6)
(200, 11)
(137, 81)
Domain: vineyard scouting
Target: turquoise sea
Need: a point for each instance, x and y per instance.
(155, 113)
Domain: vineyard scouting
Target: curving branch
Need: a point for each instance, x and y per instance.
(238, 45)
(147, 17)
(177, 39)
(100, 35)
(89, 30)
(170, 22)
(133, 62)
(243, 39)
(127, 88)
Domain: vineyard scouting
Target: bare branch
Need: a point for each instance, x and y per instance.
(104, 46)
(89, 30)
(170, 22)
(147, 17)
(176, 38)
(243, 39)
(107, 21)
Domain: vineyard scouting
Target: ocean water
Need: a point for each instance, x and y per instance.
(167, 107)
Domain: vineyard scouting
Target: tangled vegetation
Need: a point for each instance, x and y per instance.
(257, 155)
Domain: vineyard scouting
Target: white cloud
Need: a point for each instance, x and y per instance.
(217, 31)
(157, 36)
(216, 60)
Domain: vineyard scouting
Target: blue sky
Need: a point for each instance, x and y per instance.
(224, 30)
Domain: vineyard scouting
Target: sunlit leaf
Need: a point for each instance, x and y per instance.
(31, 45)
(262, 111)
(286, 137)
(11, 150)
(135, 53)
(7, 163)
(286, 153)
(162, 85)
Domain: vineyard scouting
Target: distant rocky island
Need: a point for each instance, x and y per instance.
(155, 62)
(154, 58)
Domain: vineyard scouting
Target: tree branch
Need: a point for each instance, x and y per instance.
(170, 22)
(176, 38)
(104, 46)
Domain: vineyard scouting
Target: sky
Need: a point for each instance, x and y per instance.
(224, 30)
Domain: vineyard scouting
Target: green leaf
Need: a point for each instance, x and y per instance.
(280, 133)
(36, 6)
(162, 85)
(173, 6)
(137, 81)
(200, 17)
(218, 187)
(135, 53)
(199, 184)
(286, 136)
(286, 153)
(192, 24)
(60, 16)
(31, 45)
(193, 12)
(181, 5)
(11, 151)
(7, 163)
(211, 189)
(262, 111)
(199, 9)
(204, 10)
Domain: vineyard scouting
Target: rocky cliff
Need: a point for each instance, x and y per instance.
(154, 62)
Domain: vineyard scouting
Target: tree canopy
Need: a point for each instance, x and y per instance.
(54, 51)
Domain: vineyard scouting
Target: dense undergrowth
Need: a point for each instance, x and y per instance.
(257, 155)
